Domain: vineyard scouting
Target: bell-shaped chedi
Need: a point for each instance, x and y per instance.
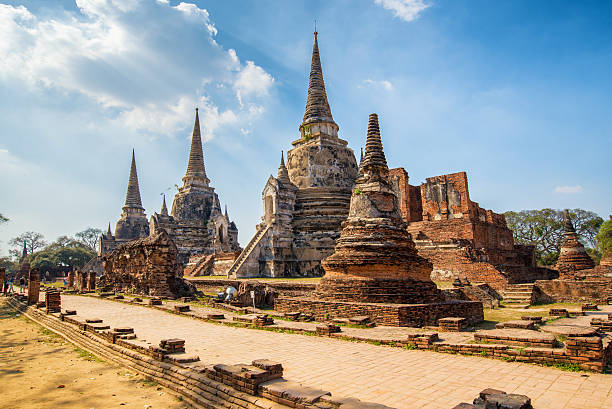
(573, 256)
(375, 259)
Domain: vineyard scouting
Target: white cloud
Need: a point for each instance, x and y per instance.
(568, 189)
(147, 79)
(384, 84)
(407, 10)
(252, 80)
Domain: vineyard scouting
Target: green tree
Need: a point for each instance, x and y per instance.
(544, 229)
(33, 241)
(604, 237)
(89, 237)
(63, 254)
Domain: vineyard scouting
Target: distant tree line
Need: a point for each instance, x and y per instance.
(544, 229)
(64, 254)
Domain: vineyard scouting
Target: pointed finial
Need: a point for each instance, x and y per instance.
(226, 214)
(283, 173)
(195, 164)
(374, 156)
(25, 250)
(568, 227)
(315, 32)
(317, 106)
(108, 232)
(132, 196)
(164, 209)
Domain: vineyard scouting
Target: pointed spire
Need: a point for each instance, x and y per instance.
(132, 197)
(374, 155)
(24, 253)
(164, 209)
(283, 174)
(109, 233)
(568, 227)
(226, 215)
(317, 106)
(195, 166)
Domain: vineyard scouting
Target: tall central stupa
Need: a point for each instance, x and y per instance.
(305, 205)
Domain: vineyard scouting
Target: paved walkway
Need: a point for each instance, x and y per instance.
(396, 377)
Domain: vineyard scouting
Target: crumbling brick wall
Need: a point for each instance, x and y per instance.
(147, 266)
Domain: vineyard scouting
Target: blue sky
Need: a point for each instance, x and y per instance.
(516, 93)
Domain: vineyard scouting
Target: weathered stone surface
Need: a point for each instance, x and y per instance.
(375, 269)
(133, 223)
(196, 224)
(461, 239)
(306, 204)
(375, 259)
(147, 266)
(573, 256)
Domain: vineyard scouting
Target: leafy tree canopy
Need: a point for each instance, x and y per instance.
(604, 237)
(89, 237)
(544, 229)
(33, 241)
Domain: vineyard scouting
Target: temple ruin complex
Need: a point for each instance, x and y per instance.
(375, 270)
(133, 223)
(306, 203)
(196, 223)
(460, 238)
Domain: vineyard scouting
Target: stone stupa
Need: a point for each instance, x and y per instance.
(375, 270)
(573, 256)
(375, 259)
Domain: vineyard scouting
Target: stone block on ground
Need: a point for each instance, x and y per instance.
(520, 324)
(537, 320)
(327, 329)
(93, 320)
(558, 312)
(215, 316)
(181, 308)
(452, 323)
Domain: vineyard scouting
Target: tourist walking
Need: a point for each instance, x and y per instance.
(21, 285)
(11, 289)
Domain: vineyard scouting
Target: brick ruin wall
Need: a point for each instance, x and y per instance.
(147, 266)
(595, 291)
(460, 238)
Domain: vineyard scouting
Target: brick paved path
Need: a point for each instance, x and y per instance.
(392, 376)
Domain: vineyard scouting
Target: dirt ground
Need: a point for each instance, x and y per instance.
(40, 370)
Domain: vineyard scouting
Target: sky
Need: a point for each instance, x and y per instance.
(515, 93)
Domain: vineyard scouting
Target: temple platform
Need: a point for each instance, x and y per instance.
(395, 315)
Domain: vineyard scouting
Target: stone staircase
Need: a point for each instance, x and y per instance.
(202, 267)
(518, 295)
(246, 253)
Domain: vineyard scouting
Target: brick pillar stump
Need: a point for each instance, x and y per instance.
(91, 281)
(33, 286)
(71, 279)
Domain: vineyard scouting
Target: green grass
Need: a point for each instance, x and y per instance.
(410, 346)
(564, 366)
(86, 355)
